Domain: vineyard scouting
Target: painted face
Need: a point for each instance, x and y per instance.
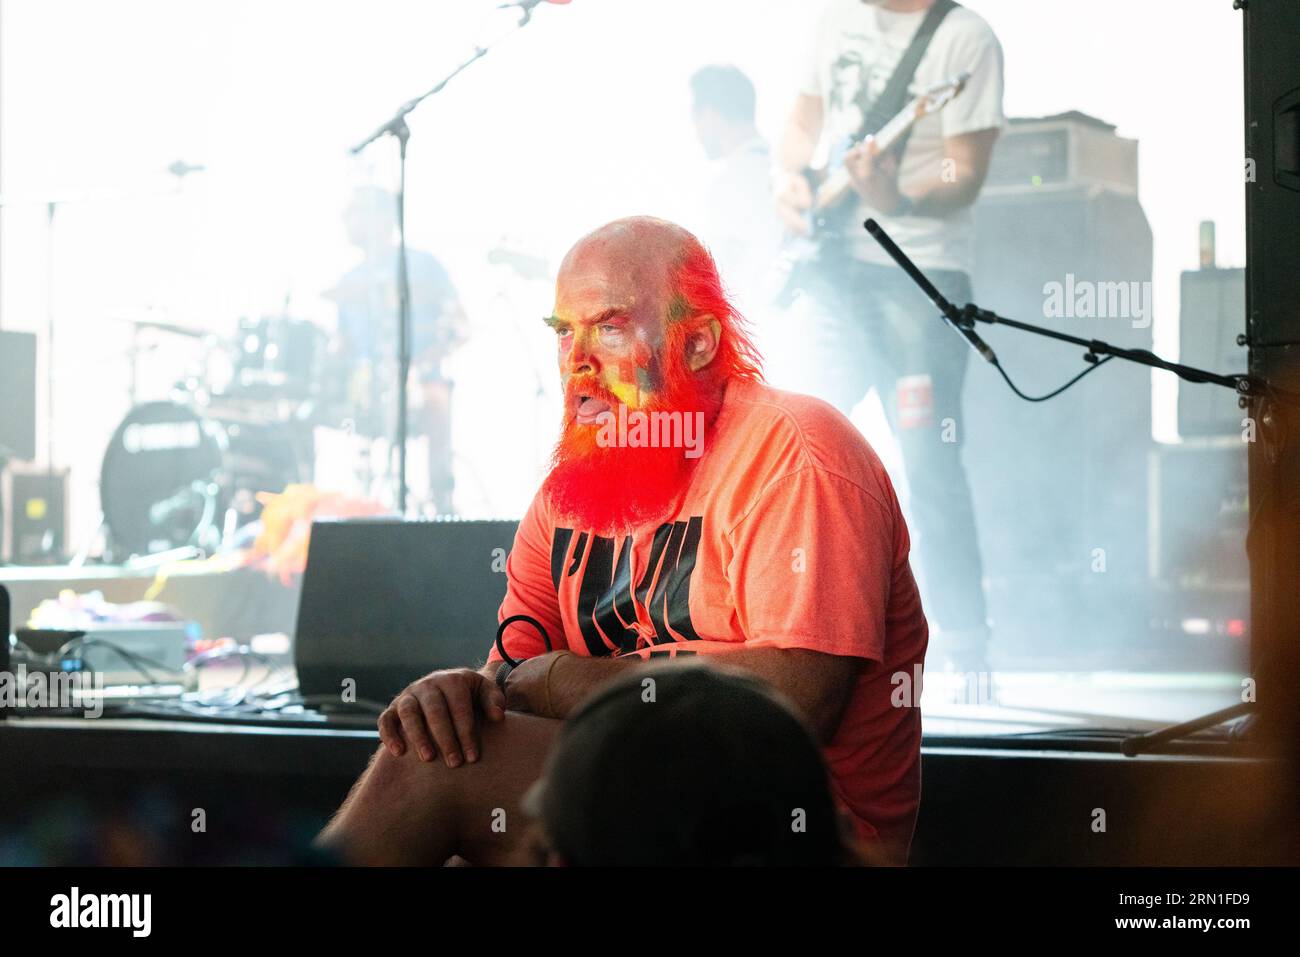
(610, 335)
(620, 338)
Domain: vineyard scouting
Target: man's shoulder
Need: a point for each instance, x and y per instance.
(788, 431)
(964, 25)
(784, 410)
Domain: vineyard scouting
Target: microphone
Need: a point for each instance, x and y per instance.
(966, 326)
(979, 345)
(963, 322)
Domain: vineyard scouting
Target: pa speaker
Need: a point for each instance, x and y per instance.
(1060, 486)
(385, 602)
(1272, 185)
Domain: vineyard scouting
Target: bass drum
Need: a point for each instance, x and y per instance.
(171, 476)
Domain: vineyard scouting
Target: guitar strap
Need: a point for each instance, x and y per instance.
(894, 95)
(809, 269)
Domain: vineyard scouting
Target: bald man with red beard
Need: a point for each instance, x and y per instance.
(774, 545)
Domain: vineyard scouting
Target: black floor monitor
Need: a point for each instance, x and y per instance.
(386, 601)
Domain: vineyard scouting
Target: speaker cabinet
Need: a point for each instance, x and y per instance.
(1060, 486)
(1211, 315)
(1273, 326)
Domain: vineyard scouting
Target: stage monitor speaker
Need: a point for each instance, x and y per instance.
(36, 510)
(384, 602)
(1211, 315)
(1059, 486)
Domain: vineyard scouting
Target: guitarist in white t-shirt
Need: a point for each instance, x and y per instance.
(871, 326)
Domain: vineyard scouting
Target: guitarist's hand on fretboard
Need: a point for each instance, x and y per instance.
(821, 223)
(874, 175)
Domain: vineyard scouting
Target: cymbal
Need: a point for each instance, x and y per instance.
(164, 327)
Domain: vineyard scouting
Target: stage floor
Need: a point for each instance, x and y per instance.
(1019, 695)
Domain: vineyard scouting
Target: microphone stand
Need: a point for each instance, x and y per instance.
(963, 321)
(396, 127)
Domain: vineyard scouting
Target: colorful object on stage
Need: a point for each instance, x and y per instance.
(280, 549)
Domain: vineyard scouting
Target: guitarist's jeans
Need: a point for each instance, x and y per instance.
(865, 325)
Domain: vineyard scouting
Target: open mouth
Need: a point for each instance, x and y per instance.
(589, 407)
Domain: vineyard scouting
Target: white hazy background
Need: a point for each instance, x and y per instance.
(582, 117)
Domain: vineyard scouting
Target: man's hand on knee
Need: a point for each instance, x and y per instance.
(439, 715)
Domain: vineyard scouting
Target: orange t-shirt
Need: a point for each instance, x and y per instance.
(789, 535)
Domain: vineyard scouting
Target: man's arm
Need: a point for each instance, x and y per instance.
(802, 131)
(817, 684)
(554, 684)
(942, 194)
(952, 185)
(798, 142)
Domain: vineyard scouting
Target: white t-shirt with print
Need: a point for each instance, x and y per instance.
(854, 51)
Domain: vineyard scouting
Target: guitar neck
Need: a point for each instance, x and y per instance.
(837, 184)
(893, 131)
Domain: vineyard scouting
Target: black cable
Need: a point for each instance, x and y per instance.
(501, 630)
(509, 664)
(1093, 367)
(243, 652)
(142, 663)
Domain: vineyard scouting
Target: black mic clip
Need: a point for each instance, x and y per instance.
(964, 322)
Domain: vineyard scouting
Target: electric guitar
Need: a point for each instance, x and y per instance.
(834, 200)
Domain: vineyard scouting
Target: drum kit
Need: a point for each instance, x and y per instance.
(275, 402)
(183, 472)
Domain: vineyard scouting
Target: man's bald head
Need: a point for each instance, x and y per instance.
(641, 250)
(659, 281)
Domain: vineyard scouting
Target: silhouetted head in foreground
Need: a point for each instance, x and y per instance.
(686, 765)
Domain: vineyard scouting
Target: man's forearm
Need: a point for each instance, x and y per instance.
(797, 148)
(573, 678)
(818, 685)
(956, 182)
(940, 199)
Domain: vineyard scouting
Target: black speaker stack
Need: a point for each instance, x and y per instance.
(1060, 486)
(1272, 185)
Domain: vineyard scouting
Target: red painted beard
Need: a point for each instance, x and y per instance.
(608, 489)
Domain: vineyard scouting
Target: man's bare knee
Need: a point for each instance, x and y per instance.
(404, 810)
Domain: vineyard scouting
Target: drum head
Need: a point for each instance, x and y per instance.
(156, 469)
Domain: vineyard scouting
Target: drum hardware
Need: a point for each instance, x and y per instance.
(174, 476)
(277, 358)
